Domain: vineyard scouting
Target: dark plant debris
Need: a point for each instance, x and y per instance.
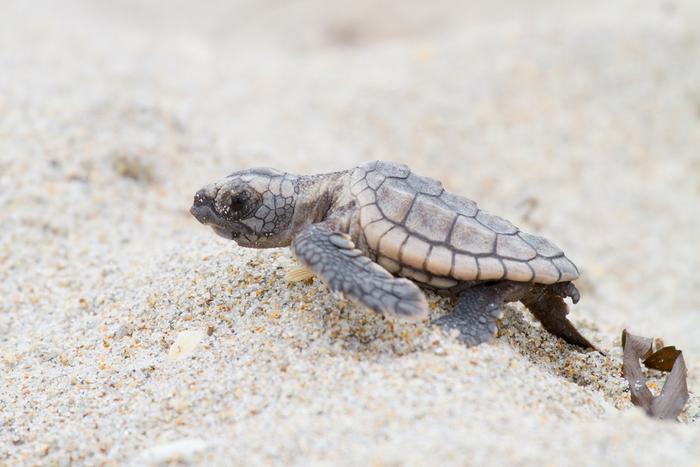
(674, 394)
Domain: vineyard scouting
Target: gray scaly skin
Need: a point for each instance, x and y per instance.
(366, 231)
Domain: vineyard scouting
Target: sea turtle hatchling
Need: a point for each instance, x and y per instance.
(366, 231)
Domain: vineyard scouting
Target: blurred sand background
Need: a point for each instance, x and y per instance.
(576, 120)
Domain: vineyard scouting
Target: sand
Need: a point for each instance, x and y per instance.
(576, 120)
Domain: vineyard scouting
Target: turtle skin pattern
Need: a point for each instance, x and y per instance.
(277, 194)
(418, 230)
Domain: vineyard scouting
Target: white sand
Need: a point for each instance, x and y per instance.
(113, 113)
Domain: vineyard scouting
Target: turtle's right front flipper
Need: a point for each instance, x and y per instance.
(344, 269)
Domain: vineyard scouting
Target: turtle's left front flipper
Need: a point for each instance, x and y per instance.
(332, 256)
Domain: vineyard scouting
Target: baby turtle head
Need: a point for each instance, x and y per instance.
(253, 207)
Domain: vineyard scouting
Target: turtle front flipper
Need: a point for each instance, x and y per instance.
(332, 256)
(478, 309)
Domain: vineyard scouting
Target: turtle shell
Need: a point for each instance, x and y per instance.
(418, 230)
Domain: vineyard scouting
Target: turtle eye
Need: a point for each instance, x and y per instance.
(237, 202)
(234, 205)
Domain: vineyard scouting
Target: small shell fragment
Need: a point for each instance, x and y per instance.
(184, 345)
(181, 450)
(298, 274)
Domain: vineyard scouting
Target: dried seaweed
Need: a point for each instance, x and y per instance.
(674, 393)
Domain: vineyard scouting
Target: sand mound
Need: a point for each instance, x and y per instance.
(130, 334)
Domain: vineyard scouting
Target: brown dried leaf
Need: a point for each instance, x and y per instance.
(663, 359)
(635, 347)
(674, 393)
(643, 346)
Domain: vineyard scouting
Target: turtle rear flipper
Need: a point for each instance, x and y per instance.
(477, 310)
(548, 306)
(332, 256)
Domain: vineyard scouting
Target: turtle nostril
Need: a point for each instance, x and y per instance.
(200, 199)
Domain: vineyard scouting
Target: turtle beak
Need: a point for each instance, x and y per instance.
(202, 208)
(202, 213)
